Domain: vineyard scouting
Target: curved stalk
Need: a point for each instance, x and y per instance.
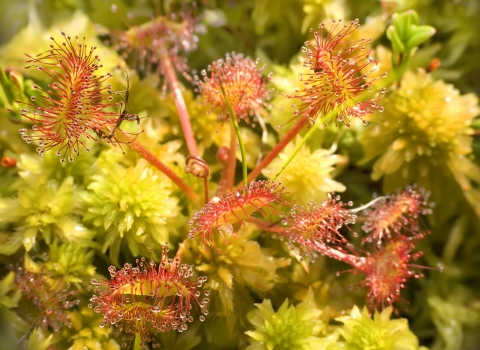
(152, 159)
(279, 147)
(172, 80)
(368, 205)
(242, 148)
(319, 247)
(300, 144)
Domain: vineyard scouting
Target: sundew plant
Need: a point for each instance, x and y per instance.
(261, 175)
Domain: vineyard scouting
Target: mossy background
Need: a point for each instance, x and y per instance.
(108, 208)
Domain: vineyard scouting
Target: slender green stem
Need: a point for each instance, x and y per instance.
(232, 160)
(242, 147)
(304, 139)
(137, 342)
(302, 142)
(239, 136)
(400, 66)
(279, 147)
(152, 159)
(310, 133)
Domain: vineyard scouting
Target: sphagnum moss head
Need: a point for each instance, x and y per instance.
(424, 132)
(131, 207)
(150, 298)
(243, 266)
(308, 176)
(338, 77)
(44, 210)
(290, 327)
(77, 104)
(360, 331)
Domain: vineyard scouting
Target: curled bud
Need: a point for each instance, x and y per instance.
(196, 166)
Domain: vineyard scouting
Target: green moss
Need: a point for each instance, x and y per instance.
(131, 205)
(361, 332)
(289, 328)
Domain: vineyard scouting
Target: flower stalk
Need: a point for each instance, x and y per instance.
(279, 147)
(239, 138)
(157, 163)
(182, 110)
(229, 170)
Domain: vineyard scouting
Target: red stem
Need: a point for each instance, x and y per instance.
(279, 147)
(265, 226)
(353, 260)
(223, 155)
(205, 189)
(172, 80)
(320, 247)
(152, 159)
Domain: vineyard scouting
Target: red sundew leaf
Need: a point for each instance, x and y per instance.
(225, 212)
(397, 214)
(319, 223)
(150, 298)
(338, 79)
(149, 42)
(388, 268)
(51, 299)
(243, 83)
(74, 107)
